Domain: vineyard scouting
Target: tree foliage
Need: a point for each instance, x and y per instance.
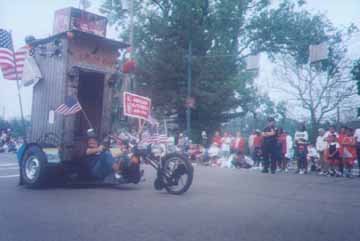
(318, 88)
(16, 126)
(222, 34)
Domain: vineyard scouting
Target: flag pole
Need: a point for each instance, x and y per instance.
(86, 116)
(18, 87)
(87, 119)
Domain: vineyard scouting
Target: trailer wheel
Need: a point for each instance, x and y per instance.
(33, 167)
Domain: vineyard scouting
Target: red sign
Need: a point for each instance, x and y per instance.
(68, 19)
(137, 106)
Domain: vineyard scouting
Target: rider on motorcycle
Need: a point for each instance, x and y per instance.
(98, 161)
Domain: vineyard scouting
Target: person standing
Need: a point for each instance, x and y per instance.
(330, 132)
(333, 156)
(217, 139)
(251, 143)
(204, 140)
(257, 154)
(357, 146)
(342, 136)
(181, 142)
(288, 154)
(321, 144)
(301, 139)
(238, 147)
(348, 152)
(205, 146)
(269, 146)
(282, 148)
(225, 148)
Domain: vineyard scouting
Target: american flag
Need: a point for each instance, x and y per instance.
(147, 139)
(12, 70)
(71, 106)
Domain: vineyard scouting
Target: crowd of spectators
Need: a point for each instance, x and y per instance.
(274, 150)
(7, 142)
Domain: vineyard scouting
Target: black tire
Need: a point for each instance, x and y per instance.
(186, 169)
(33, 167)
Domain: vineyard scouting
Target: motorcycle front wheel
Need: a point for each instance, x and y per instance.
(177, 174)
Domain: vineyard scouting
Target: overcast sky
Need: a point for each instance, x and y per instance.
(35, 17)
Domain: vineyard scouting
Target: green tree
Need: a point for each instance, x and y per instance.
(16, 126)
(223, 34)
(355, 72)
(320, 89)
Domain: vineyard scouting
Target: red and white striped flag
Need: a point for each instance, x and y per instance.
(154, 139)
(11, 64)
(71, 106)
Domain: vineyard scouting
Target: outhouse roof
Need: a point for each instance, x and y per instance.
(112, 42)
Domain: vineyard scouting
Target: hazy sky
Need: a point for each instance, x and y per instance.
(35, 17)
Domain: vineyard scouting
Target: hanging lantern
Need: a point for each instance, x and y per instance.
(129, 66)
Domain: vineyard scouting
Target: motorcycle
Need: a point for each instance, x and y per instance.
(174, 173)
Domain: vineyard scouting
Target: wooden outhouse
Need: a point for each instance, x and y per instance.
(77, 60)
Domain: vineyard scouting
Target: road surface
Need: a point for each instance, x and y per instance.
(222, 204)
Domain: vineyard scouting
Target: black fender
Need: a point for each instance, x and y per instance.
(20, 153)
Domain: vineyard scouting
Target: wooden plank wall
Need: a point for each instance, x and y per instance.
(48, 93)
(90, 55)
(60, 79)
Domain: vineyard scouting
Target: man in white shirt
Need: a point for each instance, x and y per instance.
(321, 144)
(331, 131)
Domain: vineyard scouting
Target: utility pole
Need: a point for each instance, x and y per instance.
(128, 6)
(189, 80)
(131, 39)
(18, 88)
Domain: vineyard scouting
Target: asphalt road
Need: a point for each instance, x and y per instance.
(222, 204)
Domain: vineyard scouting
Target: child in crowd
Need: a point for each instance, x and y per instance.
(301, 139)
(301, 156)
(348, 152)
(313, 158)
(340, 138)
(333, 155)
(282, 162)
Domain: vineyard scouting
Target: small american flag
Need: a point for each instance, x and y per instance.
(12, 70)
(153, 139)
(71, 106)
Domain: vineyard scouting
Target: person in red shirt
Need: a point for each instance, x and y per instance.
(348, 152)
(217, 139)
(238, 147)
(282, 151)
(257, 153)
(238, 144)
(342, 136)
(332, 155)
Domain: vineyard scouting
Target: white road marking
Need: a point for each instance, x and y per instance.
(9, 176)
(8, 164)
(9, 168)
